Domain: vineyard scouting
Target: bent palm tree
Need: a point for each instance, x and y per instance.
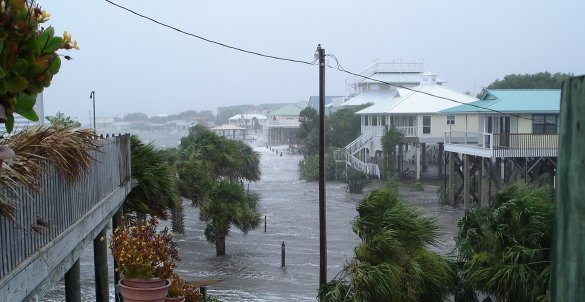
(228, 204)
(506, 251)
(393, 262)
(156, 191)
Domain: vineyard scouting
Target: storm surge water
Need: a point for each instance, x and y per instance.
(251, 270)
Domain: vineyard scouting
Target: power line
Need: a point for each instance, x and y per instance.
(209, 40)
(339, 67)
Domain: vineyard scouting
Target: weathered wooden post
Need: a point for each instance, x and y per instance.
(264, 223)
(72, 283)
(282, 255)
(568, 262)
(100, 258)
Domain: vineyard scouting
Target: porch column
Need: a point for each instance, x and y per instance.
(400, 159)
(466, 181)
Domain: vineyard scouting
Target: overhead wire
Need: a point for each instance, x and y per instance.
(209, 40)
(339, 67)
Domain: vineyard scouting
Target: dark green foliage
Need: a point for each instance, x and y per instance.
(390, 140)
(229, 204)
(309, 131)
(417, 187)
(136, 117)
(393, 262)
(356, 180)
(156, 191)
(442, 195)
(540, 80)
(342, 127)
(506, 250)
(309, 167)
(211, 169)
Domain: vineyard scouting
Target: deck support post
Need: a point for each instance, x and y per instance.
(485, 180)
(423, 156)
(100, 258)
(73, 284)
(418, 161)
(441, 157)
(466, 181)
(452, 175)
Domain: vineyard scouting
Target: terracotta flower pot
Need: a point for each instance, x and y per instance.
(142, 292)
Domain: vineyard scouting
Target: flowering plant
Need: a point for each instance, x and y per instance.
(142, 252)
(28, 57)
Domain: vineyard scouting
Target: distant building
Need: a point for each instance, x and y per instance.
(329, 101)
(283, 124)
(252, 122)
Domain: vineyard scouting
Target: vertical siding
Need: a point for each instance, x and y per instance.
(61, 204)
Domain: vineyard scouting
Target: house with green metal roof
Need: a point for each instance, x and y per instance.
(508, 134)
(502, 114)
(283, 123)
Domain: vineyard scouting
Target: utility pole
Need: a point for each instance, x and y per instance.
(322, 217)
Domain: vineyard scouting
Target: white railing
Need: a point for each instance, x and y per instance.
(359, 143)
(388, 67)
(342, 155)
(472, 139)
(408, 131)
(285, 122)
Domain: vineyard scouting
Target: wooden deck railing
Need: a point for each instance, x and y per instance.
(506, 144)
(60, 204)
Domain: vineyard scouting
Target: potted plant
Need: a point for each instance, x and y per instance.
(145, 257)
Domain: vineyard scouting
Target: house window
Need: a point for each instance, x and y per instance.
(544, 123)
(426, 124)
(366, 120)
(383, 120)
(374, 120)
(450, 120)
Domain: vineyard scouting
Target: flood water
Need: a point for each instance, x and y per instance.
(251, 270)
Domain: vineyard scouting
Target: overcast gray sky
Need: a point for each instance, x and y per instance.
(135, 65)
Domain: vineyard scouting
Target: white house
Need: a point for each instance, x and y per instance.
(412, 110)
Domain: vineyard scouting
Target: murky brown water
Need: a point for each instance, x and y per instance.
(251, 269)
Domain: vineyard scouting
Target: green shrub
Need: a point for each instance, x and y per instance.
(442, 195)
(356, 181)
(417, 187)
(309, 167)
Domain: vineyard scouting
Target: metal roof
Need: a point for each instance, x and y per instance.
(513, 101)
(374, 97)
(290, 109)
(248, 117)
(428, 97)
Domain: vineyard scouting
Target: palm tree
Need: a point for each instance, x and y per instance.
(228, 204)
(393, 262)
(505, 251)
(156, 192)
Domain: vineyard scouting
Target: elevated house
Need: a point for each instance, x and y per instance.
(509, 134)
(414, 111)
(283, 124)
(252, 122)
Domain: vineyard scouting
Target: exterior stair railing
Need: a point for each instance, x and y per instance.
(348, 155)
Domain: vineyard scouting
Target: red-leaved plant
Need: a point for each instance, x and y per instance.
(142, 252)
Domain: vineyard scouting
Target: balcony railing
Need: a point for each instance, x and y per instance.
(503, 144)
